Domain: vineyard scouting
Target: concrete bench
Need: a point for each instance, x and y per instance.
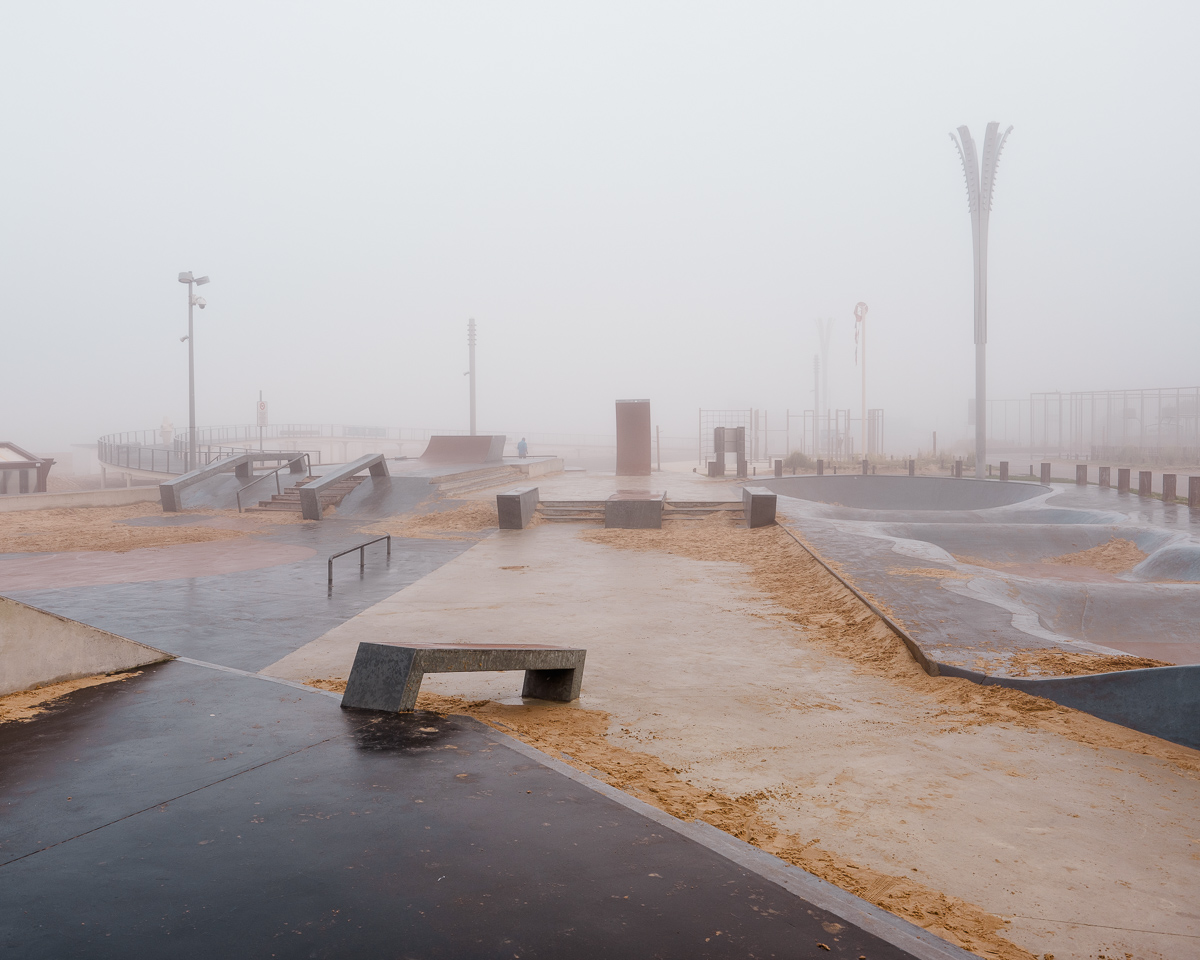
(310, 493)
(387, 676)
(515, 508)
(634, 510)
(758, 506)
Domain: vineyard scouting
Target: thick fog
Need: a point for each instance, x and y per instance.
(639, 200)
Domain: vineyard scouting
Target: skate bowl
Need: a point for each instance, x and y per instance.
(906, 493)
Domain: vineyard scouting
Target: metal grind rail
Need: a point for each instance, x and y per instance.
(362, 554)
(274, 473)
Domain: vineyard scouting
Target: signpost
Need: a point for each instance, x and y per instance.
(262, 419)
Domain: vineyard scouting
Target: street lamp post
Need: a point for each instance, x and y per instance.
(860, 316)
(193, 301)
(980, 183)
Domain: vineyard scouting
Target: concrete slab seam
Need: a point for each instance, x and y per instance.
(929, 666)
(897, 931)
(261, 676)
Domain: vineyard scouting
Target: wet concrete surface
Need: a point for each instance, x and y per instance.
(250, 618)
(193, 813)
(972, 583)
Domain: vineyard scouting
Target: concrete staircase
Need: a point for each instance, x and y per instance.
(289, 500)
(570, 511)
(592, 511)
(699, 509)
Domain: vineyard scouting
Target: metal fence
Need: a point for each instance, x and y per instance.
(1131, 426)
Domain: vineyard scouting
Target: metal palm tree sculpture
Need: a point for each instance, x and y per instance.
(980, 184)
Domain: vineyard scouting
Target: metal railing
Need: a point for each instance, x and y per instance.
(362, 554)
(274, 473)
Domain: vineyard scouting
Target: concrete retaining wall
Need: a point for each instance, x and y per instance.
(82, 498)
(39, 648)
(1162, 701)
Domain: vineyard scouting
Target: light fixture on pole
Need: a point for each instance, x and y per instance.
(980, 183)
(193, 301)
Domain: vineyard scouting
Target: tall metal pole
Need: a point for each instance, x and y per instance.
(981, 181)
(860, 316)
(471, 370)
(191, 464)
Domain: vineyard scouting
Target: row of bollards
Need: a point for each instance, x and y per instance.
(1170, 481)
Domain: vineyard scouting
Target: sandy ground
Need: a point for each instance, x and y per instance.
(444, 522)
(730, 678)
(27, 704)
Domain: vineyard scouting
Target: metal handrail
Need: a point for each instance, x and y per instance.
(274, 473)
(362, 554)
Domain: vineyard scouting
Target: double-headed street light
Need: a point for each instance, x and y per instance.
(193, 301)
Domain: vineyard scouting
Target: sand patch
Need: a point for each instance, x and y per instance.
(1116, 556)
(1065, 663)
(472, 517)
(77, 529)
(27, 704)
(933, 573)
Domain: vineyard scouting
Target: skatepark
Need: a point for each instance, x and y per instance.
(786, 736)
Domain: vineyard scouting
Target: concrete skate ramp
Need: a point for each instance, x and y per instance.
(1023, 542)
(39, 648)
(487, 448)
(220, 493)
(906, 493)
(1163, 702)
(1179, 563)
(378, 497)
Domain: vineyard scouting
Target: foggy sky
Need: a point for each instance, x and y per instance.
(639, 200)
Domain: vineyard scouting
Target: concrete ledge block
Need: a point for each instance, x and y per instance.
(1123, 480)
(1145, 482)
(1105, 476)
(387, 676)
(758, 506)
(516, 507)
(634, 510)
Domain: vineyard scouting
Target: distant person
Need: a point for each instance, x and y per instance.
(522, 448)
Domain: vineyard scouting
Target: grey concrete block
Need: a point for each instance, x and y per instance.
(912, 468)
(1162, 701)
(716, 468)
(1194, 491)
(758, 506)
(779, 468)
(634, 510)
(1045, 473)
(387, 676)
(820, 468)
(1081, 474)
(1123, 480)
(1145, 482)
(515, 508)
(1003, 471)
(1169, 487)
(1105, 476)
